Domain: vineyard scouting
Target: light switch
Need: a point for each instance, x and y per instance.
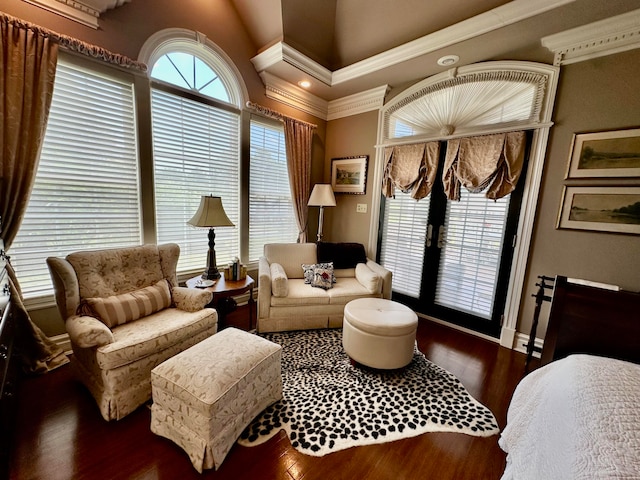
(361, 208)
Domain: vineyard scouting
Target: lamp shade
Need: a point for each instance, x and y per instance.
(210, 214)
(322, 196)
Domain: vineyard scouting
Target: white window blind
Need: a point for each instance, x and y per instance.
(85, 194)
(470, 257)
(271, 217)
(196, 150)
(403, 241)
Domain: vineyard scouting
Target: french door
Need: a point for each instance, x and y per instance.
(451, 260)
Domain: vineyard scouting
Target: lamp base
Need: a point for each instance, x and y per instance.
(211, 274)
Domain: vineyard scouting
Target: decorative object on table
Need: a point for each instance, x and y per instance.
(235, 271)
(601, 208)
(605, 154)
(349, 174)
(321, 196)
(210, 214)
(343, 406)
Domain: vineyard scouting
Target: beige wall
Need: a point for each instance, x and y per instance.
(595, 95)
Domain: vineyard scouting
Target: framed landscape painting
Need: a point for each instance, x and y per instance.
(602, 209)
(349, 174)
(605, 154)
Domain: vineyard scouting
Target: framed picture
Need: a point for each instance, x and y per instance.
(601, 209)
(349, 174)
(605, 154)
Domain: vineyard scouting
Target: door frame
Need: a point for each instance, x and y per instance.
(528, 209)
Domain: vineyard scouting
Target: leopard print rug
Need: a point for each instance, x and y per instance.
(329, 405)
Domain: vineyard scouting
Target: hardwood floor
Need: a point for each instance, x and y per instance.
(61, 435)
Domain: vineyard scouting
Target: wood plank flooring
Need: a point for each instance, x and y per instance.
(61, 435)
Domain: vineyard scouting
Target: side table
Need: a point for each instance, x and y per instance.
(223, 293)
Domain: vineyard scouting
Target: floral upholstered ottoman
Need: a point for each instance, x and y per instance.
(205, 396)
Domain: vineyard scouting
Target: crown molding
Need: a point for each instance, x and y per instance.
(284, 92)
(597, 39)
(86, 12)
(281, 52)
(357, 103)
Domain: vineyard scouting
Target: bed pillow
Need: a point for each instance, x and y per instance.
(307, 270)
(322, 277)
(127, 307)
(279, 282)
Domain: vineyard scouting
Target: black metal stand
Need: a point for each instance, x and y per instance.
(544, 283)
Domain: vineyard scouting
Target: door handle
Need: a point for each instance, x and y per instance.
(441, 233)
(429, 233)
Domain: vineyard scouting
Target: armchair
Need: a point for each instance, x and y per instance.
(125, 314)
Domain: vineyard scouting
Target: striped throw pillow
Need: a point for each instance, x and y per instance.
(119, 309)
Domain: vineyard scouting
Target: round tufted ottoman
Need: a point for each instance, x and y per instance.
(379, 333)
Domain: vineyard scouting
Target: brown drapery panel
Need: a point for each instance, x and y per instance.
(28, 62)
(493, 161)
(410, 168)
(298, 137)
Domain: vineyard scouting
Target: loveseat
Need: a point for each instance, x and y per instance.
(125, 314)
(289, 301)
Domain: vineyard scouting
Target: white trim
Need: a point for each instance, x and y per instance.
(196, 43)
(85, 12)
(458, 327)
(597, 39)
(362, 102)
(64, 342)
(283, 52)
(283, 92)
(522, 339)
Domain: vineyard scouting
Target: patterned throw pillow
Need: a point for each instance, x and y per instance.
(118, 309)
(307, 270)
(322, 277)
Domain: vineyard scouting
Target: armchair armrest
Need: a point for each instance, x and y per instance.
(190, 299)
(87, 332)
(264, 287)
(386, 275)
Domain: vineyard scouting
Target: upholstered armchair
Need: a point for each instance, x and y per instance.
(125, 314)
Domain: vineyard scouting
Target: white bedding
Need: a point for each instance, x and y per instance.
(576, 418)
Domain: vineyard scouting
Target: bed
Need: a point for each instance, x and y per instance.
(578, 415)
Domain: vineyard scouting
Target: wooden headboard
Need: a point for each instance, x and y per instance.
(587, 319)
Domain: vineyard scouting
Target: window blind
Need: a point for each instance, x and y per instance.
(271, 217)
(470, 257)
(196, 150)
(86, 190)
(403, 241)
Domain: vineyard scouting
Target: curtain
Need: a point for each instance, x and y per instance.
(28, 62)
(488, 161)
(410, 168)
(298, 137)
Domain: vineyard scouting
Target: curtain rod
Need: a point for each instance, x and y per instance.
(268, 112)
(76, 46)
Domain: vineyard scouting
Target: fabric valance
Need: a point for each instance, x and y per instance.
(410, 168)
(74, 45)
(493, 161)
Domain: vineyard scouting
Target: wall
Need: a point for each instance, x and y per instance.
(595, 95)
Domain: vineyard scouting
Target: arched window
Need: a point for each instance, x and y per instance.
(196, 99)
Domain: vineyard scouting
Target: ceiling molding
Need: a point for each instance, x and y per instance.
(281, 52)
(284, 92)
(612, 35)
(357, 103)
(86, 12)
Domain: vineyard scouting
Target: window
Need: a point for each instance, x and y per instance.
(86, 189)
(271, 217)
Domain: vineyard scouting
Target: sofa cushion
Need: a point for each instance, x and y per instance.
(119, 309)
(151, 334)
(343, 255)
(279, 283)
(348, 289)
(322, 277)
(309, 271)
(301, 294)
(368, 278)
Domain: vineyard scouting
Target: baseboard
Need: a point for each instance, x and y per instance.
(458, 327)
(522, 340)
(63, 342)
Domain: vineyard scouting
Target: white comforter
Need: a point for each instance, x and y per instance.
(576, 418)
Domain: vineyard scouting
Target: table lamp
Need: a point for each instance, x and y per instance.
(210, 214)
